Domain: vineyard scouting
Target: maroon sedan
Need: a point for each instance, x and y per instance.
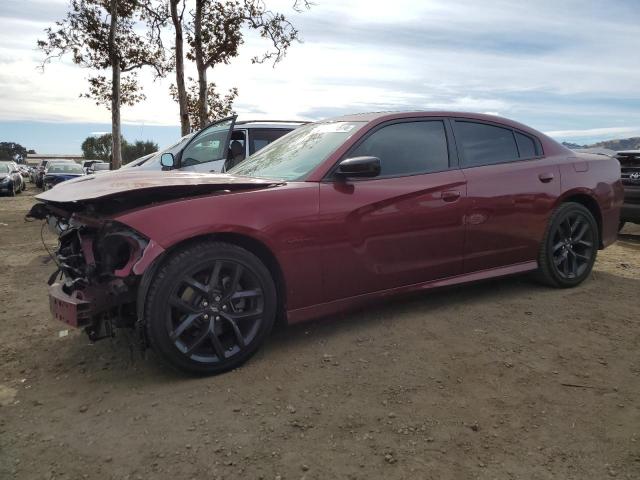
(334, 215)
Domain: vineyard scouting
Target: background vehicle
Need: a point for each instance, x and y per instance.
(215, 149)
(11, 181)
(328, 218)
(139, 161)
(39, 173)
(98, 167)
(58, 172)
(25, 172)
(630, 172)
(87, 163)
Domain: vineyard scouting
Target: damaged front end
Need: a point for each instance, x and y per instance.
(100, 263)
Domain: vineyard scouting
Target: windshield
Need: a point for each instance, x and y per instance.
(295, 155)
(4, 168)
(65, 168)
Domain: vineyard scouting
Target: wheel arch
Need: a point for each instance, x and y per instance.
(249, 243)
(587, 200)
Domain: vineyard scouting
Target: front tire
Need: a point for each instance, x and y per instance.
(570, 246)
(209, 308)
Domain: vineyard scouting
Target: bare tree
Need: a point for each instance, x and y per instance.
(101, 35)
(180, 87)
(216, 32)
(218, 106)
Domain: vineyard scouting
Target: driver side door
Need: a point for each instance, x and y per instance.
(207, 151)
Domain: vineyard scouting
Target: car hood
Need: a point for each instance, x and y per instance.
(114, 192)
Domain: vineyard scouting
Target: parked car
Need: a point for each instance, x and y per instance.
(87, 163)
(22, 183)
(58, 172)
(40, 170)
(98, 167)
(25, 172)
(330, 217)
(213, 152)
(11, 181)
(630, 172)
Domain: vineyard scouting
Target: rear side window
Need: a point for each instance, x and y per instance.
(407, 148)
(261, 137)
(526, 146)
(484, 144)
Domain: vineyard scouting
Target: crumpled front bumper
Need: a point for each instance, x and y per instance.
(79, 308)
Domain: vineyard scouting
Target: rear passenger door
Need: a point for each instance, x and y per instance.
(511, 190)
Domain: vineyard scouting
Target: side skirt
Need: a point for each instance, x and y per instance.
(351, 303)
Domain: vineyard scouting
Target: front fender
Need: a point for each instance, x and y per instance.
(284, 219)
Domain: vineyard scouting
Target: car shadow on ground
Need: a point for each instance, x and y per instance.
(629, 237)
(123, 354)
(129, 365)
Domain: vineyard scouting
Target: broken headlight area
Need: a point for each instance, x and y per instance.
(95, 284)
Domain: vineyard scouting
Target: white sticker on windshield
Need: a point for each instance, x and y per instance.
(335, 127)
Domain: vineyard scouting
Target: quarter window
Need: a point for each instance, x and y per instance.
(407, 148)
(484, 144)
(526, 146)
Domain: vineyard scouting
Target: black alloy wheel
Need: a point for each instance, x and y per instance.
(210, 307)
(573, 246)
(570, 246)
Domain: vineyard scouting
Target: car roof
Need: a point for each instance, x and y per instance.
(283, 124)
(379, 117)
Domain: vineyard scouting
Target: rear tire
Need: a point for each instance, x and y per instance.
(569, 248)
(209, 308)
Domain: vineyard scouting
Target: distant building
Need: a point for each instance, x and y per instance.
(34, 159)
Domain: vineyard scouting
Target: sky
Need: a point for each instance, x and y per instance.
(570, 68)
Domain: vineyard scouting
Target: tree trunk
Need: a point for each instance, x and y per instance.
(201, 66)
(182, 90)
(116, 149)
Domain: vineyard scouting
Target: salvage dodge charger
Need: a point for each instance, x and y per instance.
(328, 218)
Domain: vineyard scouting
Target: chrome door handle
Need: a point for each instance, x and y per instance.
(546, 177)
(450, 195)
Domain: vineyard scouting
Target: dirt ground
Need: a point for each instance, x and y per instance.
(502, 380)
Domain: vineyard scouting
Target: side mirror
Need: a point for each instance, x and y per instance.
(167, 160)
(359, 167)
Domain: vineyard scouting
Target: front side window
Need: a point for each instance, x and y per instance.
(407, 148)
(208, 146)
(483, 144)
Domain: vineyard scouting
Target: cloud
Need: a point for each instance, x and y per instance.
(564, 67)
